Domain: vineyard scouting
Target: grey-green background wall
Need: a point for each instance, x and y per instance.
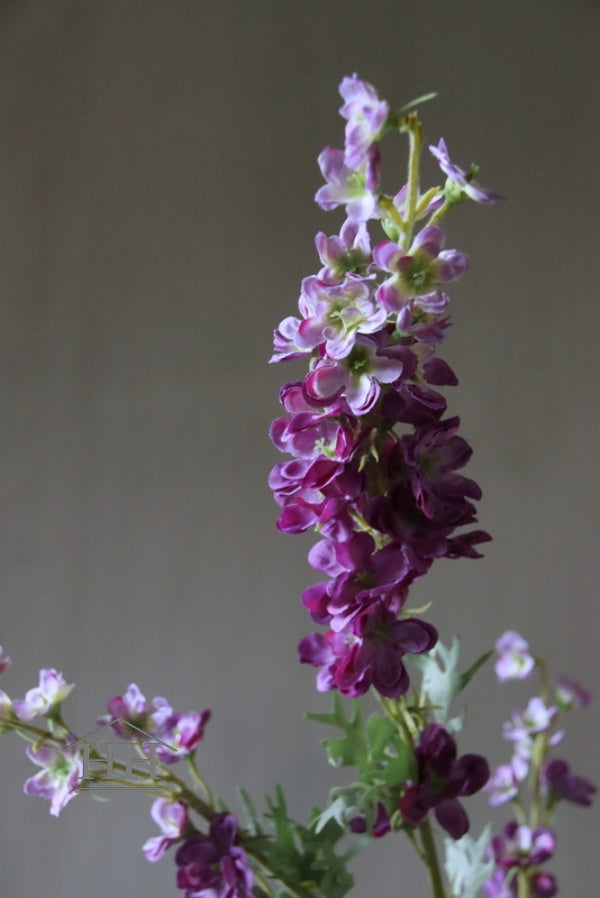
(157, 168)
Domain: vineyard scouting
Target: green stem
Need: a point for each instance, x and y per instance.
(415, 136)
(431, 860)
(523, 884)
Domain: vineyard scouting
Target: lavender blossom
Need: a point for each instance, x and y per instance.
(41, 700)
(59, 777)
(514, 660)
(366, 115)
(172, 820)
(461, 182)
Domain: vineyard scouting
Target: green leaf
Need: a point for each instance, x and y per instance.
(466, 865)
(440, 677)
(424, 98)
(441, 680)
(464, 678)
(250, 813)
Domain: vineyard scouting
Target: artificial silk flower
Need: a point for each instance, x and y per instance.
(52, 689)
(514, 661)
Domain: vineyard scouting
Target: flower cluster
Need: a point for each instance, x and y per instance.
(375, 468)
(521, 847)
(180, 733)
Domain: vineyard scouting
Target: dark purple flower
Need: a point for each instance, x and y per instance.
(521, 846)
(368, 651)
(570, 693)
(565, 784)
(214, 866)
(443, 778)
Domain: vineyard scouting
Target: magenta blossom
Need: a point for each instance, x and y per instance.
(368, 651)
(214, 866)
(52, 689)
(171, 818)
(180, 732)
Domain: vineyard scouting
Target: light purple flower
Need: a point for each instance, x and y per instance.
(52, 689)
(350, 253)
(357, 377)
(366, 115)
(356, 189)
(570, 693)
(59, 777)
(497, 886)
(335, 314)
(5, 712)
(462, 182)
(4, 662)
(536, 718)
(502, 785)
(171, 818)
(417, 273)
(514, 661)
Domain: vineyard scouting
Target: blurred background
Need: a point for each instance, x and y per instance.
(157, 173)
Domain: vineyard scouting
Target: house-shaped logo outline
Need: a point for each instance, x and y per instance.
(89, 739)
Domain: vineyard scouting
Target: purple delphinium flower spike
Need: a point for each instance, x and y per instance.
(463, 180)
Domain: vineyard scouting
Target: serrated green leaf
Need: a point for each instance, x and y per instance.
(466, 865)
(440, 677)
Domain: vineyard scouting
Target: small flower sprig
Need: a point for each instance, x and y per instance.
(534, 781)
(215, 855)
